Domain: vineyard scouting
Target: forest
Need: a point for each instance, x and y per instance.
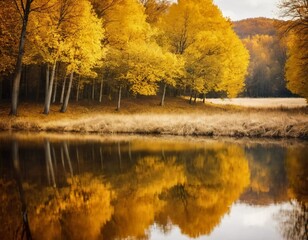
(56, 50)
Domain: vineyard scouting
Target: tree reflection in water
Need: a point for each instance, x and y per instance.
(214, 180)
(14, 210)
(116, 190)
(294, 221)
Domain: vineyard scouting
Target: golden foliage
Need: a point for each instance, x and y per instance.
(9, 35)
(297, 37)
(67, 32)
(10, 205)
(83, 207)
(296, 66)
(138, 194)
(215, 180)
(297, 169)
(215, 57)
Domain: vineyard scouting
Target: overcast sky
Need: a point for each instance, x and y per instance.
(241, 9)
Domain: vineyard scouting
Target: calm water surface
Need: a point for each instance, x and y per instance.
(83, 187)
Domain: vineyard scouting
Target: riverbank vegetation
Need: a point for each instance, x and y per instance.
(178, 117)
(114, 54)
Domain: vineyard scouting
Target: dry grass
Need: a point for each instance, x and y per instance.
(262, 102)
(144, 116)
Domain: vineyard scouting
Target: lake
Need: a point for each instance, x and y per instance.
(141, 187)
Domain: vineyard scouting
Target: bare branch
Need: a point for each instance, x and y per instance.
(44, 7)
(18, 9)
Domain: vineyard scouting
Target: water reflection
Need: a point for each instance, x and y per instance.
(268, 174)
(120, 189)
(294, 222)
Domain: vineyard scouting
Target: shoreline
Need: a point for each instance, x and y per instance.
(238, 125)
(177, 118)
(38, 138)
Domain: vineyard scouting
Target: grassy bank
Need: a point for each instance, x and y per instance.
(145, 116)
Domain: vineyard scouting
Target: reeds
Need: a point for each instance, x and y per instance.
(203, 120)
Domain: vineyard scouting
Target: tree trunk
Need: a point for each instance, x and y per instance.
(1, 82)
(63, 90)
(195, 100)
(18, 68)
(47, 80)
(55, 87)
(101, 90)
(67, 97)
(162, 103)
(93, 89)
(77, 90)
(49, 89)
(190, 99)
(38, 88)
(119, 99)
(25, 80)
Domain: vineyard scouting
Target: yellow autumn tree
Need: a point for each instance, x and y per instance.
(83, 50)
(296, 70)
(215, 57)
(125, 24)
(134, 60)
(148, 65)
(45, 42)
(67, 32)
(9, 36)
(295, 28)
(154, 9)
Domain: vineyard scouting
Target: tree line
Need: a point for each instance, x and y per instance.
(133, 46)
(116, 48)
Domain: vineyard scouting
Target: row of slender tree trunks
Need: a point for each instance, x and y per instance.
(46, 81)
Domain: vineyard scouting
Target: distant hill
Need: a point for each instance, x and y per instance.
(253, 26)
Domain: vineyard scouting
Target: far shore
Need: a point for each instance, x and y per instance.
(177, 118)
